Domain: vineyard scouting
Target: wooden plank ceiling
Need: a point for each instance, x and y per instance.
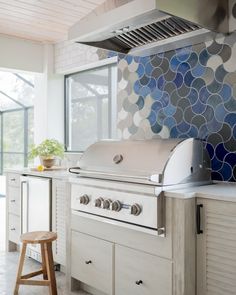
(42, 20)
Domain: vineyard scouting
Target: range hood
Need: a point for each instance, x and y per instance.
(148, 27)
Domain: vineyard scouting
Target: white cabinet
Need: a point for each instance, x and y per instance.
(60, 205)
(138, 273)
(92, 261)
(216, 248)
(13, 210)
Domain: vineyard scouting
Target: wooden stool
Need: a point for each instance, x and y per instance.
(45, 240)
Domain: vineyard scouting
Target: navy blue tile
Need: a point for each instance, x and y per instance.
(156, 128)
(220, 151)
(174, 133)
(156, 106)
(152, 118)
(140, 70)
(183, 68)
(161, 82)
(198, 107)
(169, 122)
(210, 150)
(140, 102)
(226, 172)
(204, 94)
(198, 71)
(193, 132)
(234, 132)
(204, 56)
(193, 96)
(174, 63)
(231, 119)
(231, 159)
(216, 164)
(156, 94)
(220, 112)
(183, 127)
(217, 176)
(178, 80)
(188, 78)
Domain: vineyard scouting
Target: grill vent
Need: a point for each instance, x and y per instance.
(154, 32)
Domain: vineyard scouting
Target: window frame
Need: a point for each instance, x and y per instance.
(25, 111)
(111, 63)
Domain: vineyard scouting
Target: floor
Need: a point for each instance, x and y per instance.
(8, 268)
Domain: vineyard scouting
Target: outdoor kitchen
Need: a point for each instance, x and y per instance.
(118, 147)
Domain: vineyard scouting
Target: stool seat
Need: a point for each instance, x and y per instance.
(38, 237)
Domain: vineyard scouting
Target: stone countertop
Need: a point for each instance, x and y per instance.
(224, 191)
(61, 174)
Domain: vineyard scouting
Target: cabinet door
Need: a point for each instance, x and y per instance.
(60, 203)
(138, 273)
(216, 248)
(92, 262)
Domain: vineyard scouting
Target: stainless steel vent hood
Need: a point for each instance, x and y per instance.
(148, 27)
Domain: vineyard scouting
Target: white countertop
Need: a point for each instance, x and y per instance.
(61, 174)
(224, 191)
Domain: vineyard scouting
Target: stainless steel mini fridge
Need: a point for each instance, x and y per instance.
(36, 203)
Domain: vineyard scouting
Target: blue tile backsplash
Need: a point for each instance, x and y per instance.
(189, 92)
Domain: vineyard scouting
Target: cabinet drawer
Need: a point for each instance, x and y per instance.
(138, 273)
(14, 200)
(92, 261)
(14, 228)
(13, 179)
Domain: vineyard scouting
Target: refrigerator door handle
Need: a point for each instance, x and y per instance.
(24, 206)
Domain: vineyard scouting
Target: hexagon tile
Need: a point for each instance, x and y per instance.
(189, 92)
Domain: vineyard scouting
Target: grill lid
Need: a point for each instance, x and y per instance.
(157, 161)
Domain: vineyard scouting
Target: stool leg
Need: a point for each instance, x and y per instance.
(50, 268)
(20, 268)
(45, 275)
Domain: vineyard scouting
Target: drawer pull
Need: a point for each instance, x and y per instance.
(13, 201)
(13, 179)
(139, 282)
(88, 262)
(13, 228)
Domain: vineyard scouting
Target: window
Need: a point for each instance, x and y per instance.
(90, 104)
(16, 119)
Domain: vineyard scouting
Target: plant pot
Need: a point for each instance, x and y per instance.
(48, 163)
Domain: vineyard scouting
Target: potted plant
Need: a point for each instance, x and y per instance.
(48, 151)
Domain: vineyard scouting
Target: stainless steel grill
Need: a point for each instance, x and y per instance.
(124, 181)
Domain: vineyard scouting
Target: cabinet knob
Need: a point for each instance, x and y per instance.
(88, 262)
(12, 201)
(13, 229)
(13, 179)
(139, 282)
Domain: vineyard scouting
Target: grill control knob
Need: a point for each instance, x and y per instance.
(98, 202)
(116, 206)
(84, 199)
(136, 209)
(106, 204)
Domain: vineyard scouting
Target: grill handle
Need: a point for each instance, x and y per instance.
(198, 219)
(78, 170)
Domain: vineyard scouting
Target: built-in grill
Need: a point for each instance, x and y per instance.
(123, 182)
